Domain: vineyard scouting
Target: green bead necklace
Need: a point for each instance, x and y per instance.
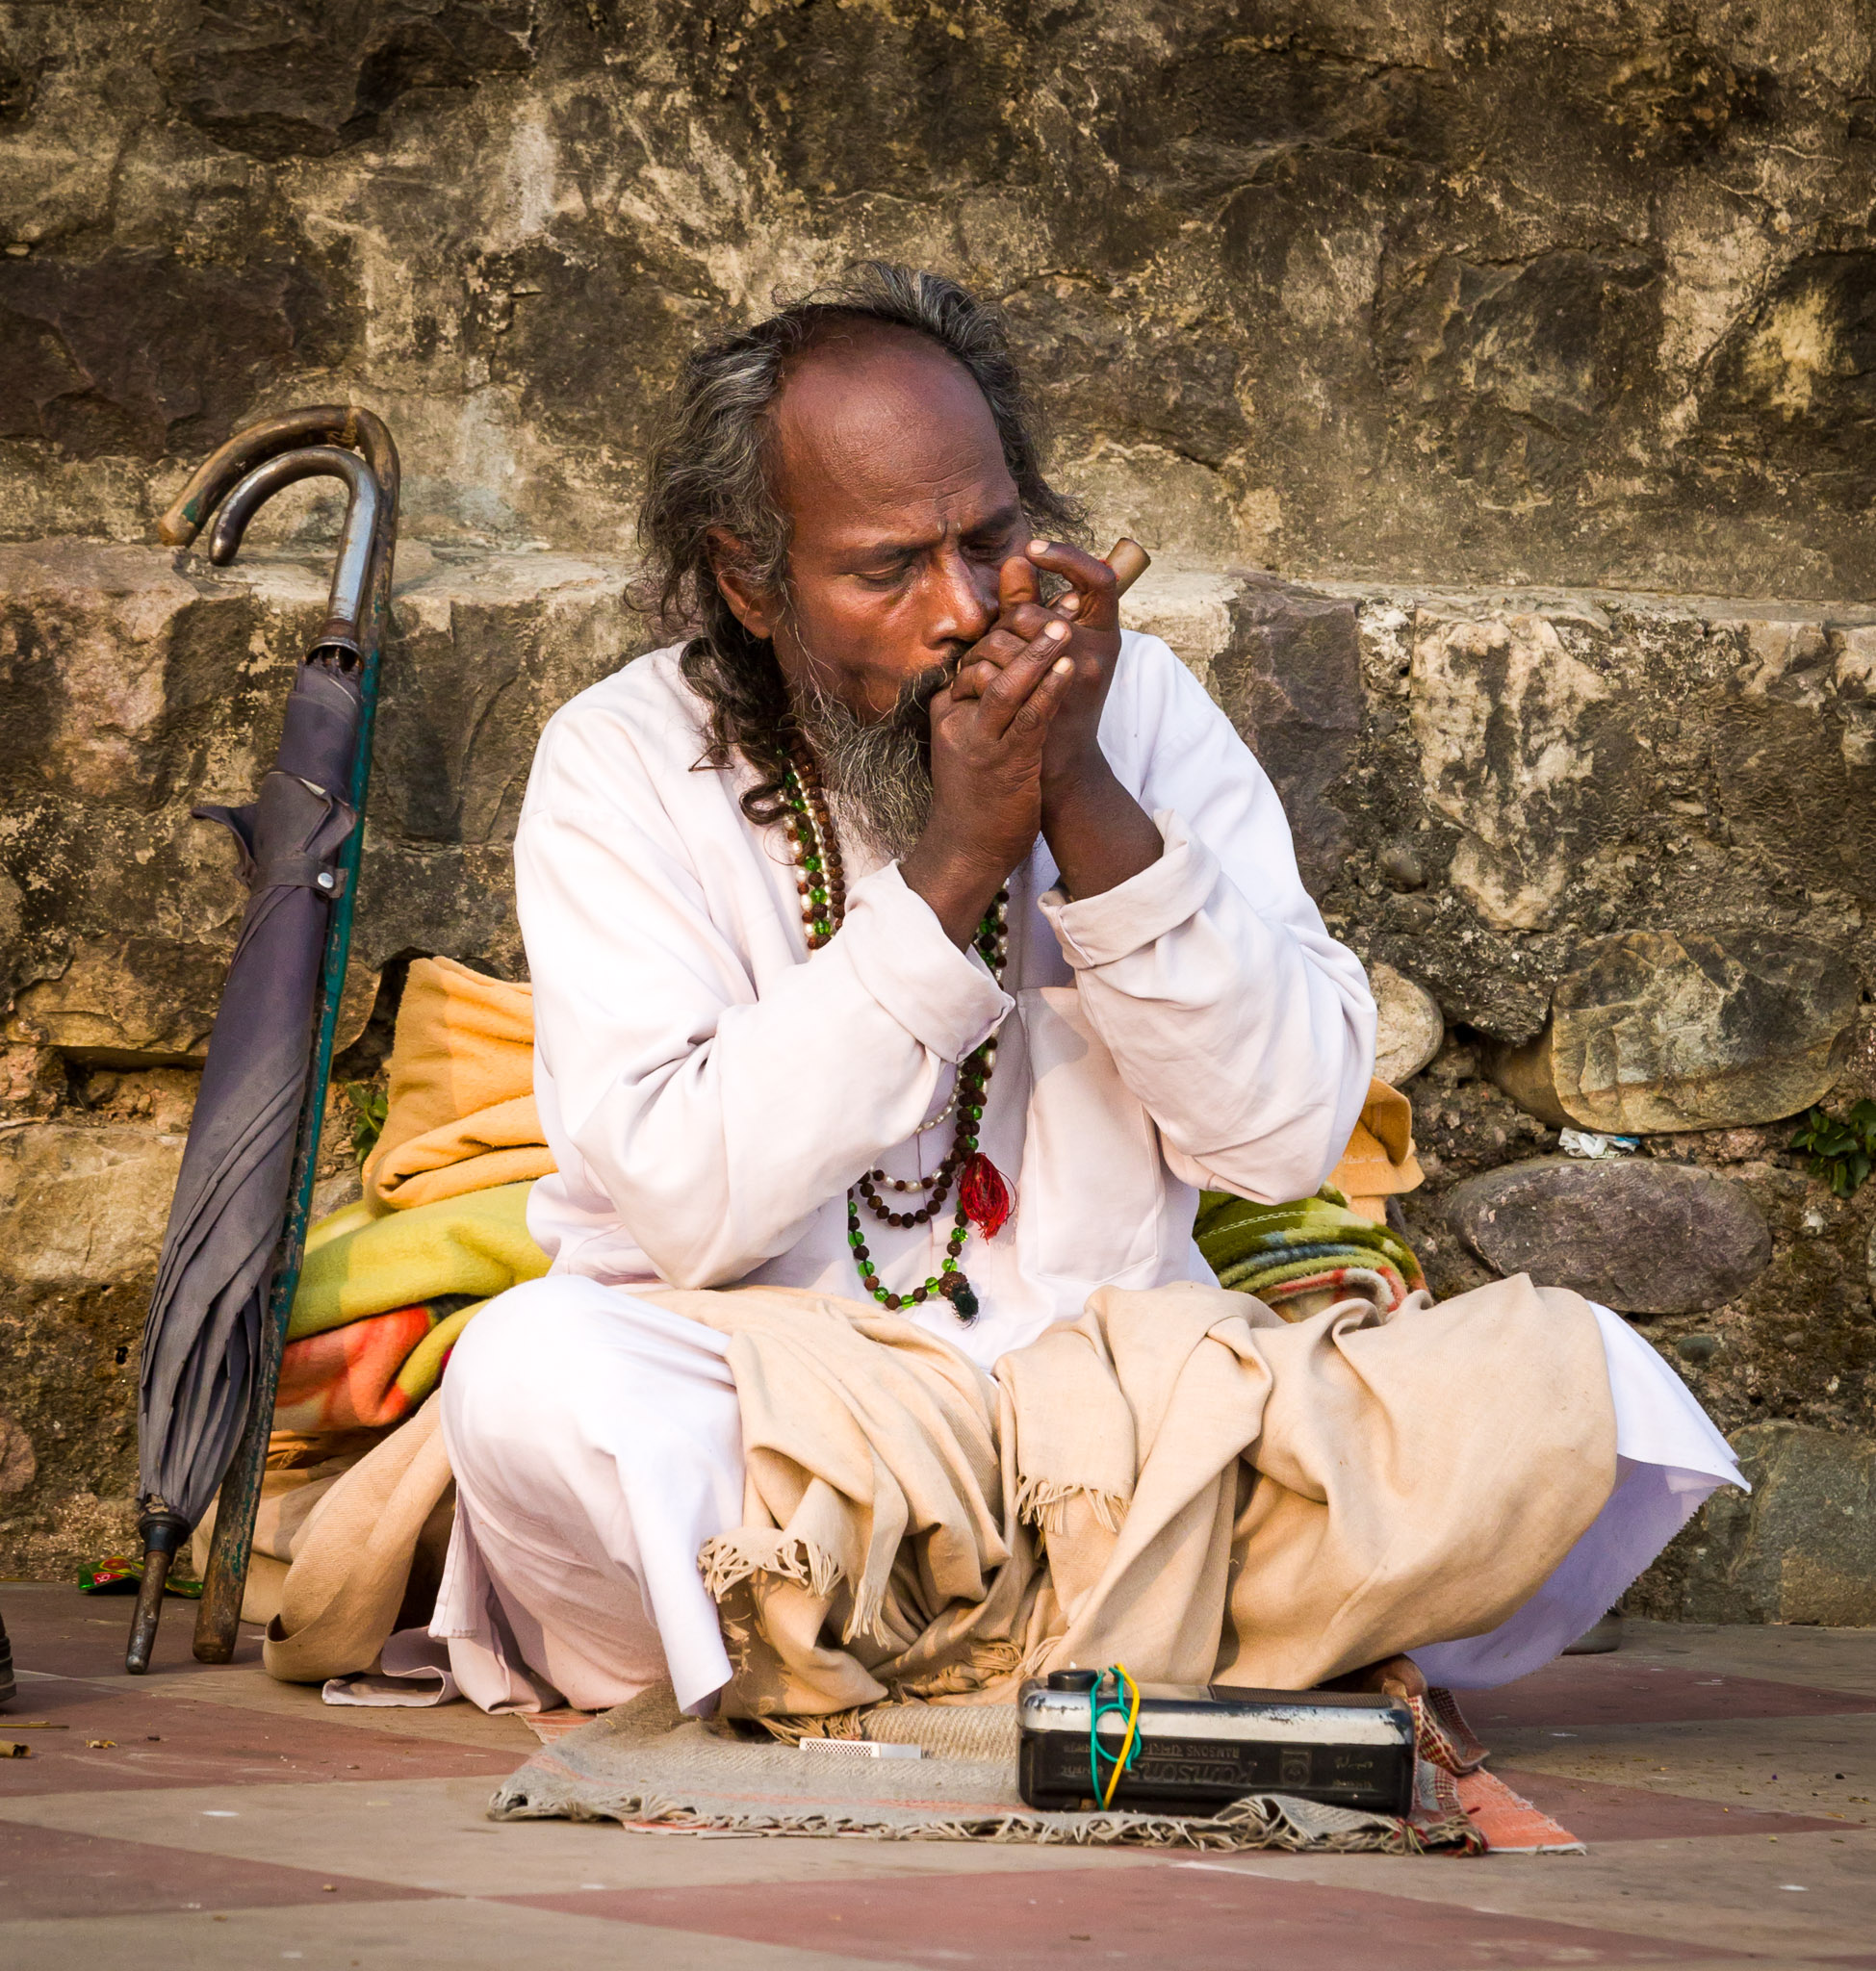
(983, 1196)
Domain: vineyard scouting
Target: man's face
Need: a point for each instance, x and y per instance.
(901, 509)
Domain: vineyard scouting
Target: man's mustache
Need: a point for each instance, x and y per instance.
(913, 706)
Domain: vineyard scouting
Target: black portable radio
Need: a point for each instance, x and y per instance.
(1202, 1746)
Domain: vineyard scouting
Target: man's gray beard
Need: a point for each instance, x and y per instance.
(878, 775)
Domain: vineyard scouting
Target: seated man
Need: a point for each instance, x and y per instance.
(907, 936)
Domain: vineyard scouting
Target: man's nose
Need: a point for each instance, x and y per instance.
(964, 597)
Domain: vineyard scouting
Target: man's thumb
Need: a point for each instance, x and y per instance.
(1016, 583)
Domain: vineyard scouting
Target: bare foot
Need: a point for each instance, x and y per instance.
(1393, 1677)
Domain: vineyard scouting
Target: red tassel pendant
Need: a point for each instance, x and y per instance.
(983, 1196)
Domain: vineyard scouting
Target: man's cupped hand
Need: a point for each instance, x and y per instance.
(1099, 834)
(1089, 610)
(987, 750)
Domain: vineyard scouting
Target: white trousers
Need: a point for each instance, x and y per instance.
(595, 1445)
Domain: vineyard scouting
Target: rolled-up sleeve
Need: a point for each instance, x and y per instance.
(1245, 1030)
(717, 1118)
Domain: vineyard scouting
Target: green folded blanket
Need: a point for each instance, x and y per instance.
(1312, 1245)
(363, 1260)
(383, 1298)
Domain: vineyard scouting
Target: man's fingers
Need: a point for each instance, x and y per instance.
(1043, 704)
(1097, 606)
(988, 656)
(975, 678)
(1006, 693)
(1003, 644)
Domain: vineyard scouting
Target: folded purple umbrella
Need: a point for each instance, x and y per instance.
(231, 1255)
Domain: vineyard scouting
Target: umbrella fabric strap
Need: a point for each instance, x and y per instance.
(290, 869)
(294, 869)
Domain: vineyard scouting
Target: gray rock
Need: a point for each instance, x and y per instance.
(1290, 676)
(1655, 1031)
(1802, 1548)
(17, 1465)
(1637, 1235)
(81, 1217)
(327, 83)
(1408, 1024)
(334, 1193)
(1527, 747)
(1793, 769)
(1401, 865)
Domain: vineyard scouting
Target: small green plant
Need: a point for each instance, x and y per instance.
(1842, 1151)
(368, 1104)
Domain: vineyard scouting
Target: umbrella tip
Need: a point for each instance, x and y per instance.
(163, 1533)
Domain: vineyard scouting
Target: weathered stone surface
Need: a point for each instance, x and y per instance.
(1639, 1235)
(142, 355)
(1190, 608)
(31, 1082)
(1513, 727)
(136, 685)
(82, 1214)
(1802, 1548)
(1652, 1032)
(18, 1467)
(293, 79)
(1408, 1025)
(1794, 755)
(1289, 296)
(1290, 677)
(1555, 767)
(81, 1207)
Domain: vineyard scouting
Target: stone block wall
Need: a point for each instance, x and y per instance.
(1444, 290)
(1459, 359)
(1664, 976)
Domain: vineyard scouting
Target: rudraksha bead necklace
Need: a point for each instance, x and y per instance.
(983, 1196)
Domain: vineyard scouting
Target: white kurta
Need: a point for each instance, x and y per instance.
(710, 1090)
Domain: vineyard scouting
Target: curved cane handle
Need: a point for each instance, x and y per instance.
(352, 575)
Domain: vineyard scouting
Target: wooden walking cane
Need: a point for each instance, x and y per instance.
(225, 1578)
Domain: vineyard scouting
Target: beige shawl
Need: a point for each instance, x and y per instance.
(1179, 1481)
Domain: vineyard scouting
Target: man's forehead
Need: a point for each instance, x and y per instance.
(880, 425)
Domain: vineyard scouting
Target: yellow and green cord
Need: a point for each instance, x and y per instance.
(1101, 1705)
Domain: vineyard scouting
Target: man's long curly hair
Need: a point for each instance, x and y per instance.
(711, 471)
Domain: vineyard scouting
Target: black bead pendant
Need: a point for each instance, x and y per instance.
(956, 1288)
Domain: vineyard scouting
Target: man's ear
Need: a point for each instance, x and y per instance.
(753, 608)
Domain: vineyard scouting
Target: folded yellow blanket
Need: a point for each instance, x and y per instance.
(461, 1113)
(360, 1261)
(1380, 1162)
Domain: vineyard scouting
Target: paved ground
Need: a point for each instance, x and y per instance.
(1723, 1778)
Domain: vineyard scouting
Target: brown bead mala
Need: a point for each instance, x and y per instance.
(983, 1196)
